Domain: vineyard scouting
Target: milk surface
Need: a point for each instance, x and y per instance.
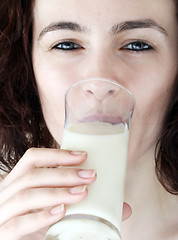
(106, 146)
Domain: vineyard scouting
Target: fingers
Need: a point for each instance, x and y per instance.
(41, 158)
(31, 199)
(48, 177)
(27, 224)
(52, 157)
(35, 183)
(127, 211)
(58, 177)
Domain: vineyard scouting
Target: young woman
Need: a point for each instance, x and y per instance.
(45, 47)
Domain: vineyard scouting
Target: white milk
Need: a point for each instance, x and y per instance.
(81, 229)
(106, 146)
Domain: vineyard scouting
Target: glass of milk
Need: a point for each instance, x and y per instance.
(98, 115)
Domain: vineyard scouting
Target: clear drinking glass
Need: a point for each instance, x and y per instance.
(98, 115)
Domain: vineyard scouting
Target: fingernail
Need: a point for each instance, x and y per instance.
(76, 190)
(57, 210)
(78, 153)
(87, 173)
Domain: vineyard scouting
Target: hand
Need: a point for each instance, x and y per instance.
(33, 194)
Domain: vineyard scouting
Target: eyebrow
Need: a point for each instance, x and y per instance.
(116, 29)
(137, 24)
(63, 26)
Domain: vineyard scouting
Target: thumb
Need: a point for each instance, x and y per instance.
(127, 211)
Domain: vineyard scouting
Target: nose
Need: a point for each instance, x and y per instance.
(98, 90)
(101, 62)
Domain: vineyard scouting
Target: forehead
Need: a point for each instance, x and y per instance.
(103, 12)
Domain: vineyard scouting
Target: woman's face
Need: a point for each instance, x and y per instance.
(132, 42)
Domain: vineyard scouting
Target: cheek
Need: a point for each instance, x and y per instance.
(152, 99)
(52, 82)
(152, 91)
(152, 86)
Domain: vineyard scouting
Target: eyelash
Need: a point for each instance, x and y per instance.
(136, 46)
(67, 46)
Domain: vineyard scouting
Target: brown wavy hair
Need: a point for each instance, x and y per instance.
(21, 120)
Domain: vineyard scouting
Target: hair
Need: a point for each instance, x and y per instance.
(166, 152)
(21, 120)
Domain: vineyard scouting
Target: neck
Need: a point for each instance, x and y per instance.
(149, 201)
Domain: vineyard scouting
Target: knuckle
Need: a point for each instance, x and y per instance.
(56, 195)
(13, 225)
(21, 196)
(30, 152)
(55, 192)
(30, 156)
(66, 173)
(10, 230)
(28, 177)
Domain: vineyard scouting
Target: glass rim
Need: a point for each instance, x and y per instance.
(104, 80)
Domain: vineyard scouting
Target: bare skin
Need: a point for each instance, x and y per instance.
(28, 199)
(33, 194)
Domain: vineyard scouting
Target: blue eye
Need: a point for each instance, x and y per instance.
(138, 46)
(67, 46)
